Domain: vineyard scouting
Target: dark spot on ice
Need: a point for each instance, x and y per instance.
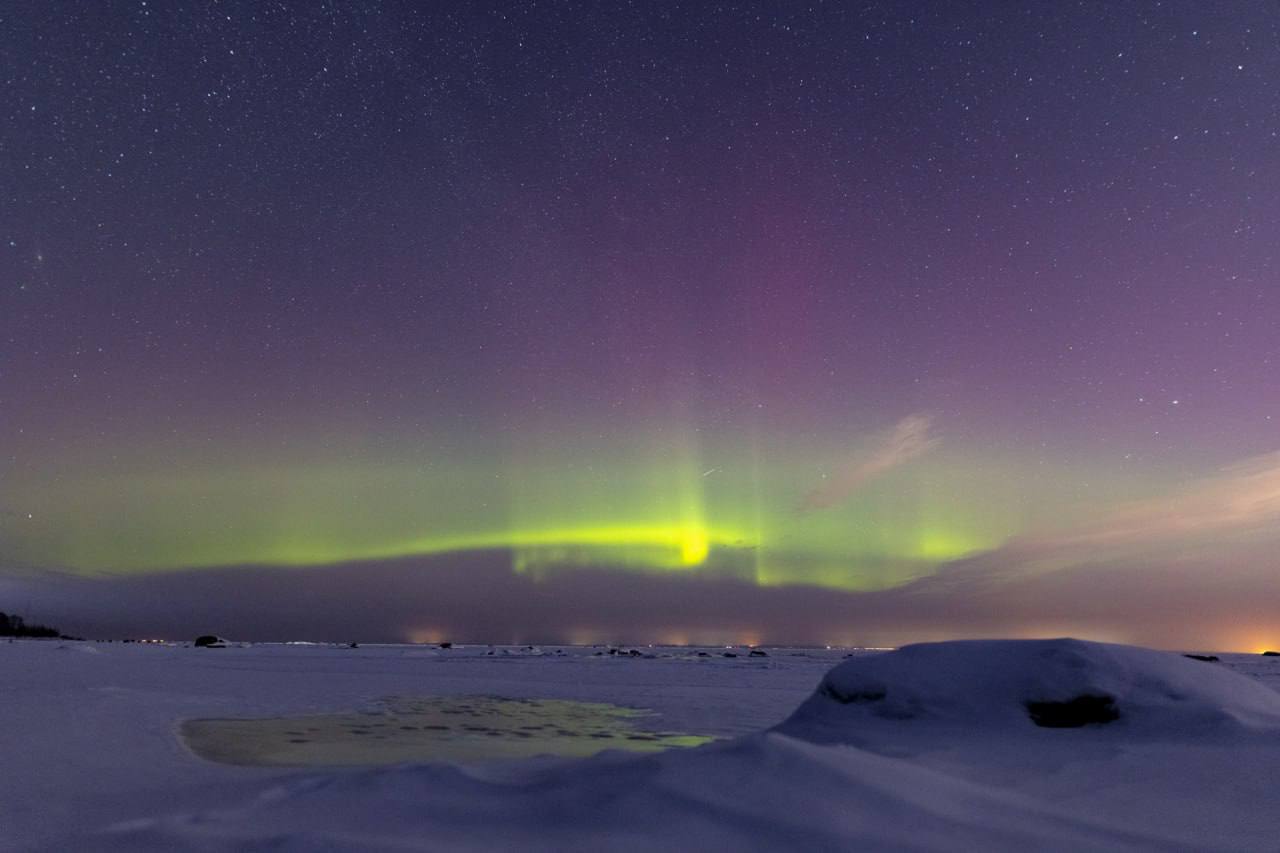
(1205, 658)
(641, 737)
(1083, 710)
(299, 740)
(855, 697)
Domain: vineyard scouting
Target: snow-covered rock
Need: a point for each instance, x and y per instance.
(1011, 687)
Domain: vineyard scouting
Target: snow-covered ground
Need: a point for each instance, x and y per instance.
(930, 747)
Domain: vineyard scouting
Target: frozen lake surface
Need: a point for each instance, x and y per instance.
(101, 722)
(164, 747)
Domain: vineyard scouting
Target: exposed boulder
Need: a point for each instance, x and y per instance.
(1081, 711)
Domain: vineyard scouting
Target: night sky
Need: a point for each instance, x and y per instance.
(741, 322)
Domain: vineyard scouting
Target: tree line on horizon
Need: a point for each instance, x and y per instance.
(16, 626)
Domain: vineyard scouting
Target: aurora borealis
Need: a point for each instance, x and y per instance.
(646, 509)
(760, 319)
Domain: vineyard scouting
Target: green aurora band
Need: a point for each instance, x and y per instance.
(658, 506)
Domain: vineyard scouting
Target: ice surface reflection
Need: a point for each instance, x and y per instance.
(446, 728)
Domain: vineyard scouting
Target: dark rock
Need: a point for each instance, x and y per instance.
(704, 654)
(757, 653)
(731, 654)
(1271, 654)
(860, 697)
(1081, 711)
(1205, 658)
(446, 645)
(209, 641)
(355, 645)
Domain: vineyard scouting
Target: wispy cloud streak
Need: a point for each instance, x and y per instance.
(910, 438)
(1242, 497)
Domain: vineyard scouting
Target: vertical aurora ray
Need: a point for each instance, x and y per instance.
(639, 506)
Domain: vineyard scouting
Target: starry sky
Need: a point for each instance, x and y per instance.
(551, 321)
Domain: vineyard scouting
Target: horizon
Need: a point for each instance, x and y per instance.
(619, 647)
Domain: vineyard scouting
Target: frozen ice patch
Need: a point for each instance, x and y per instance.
(452, 728)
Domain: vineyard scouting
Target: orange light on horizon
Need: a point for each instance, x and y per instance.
(426, 635)
(1256, 643)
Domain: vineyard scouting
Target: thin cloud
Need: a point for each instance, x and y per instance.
(1199, 555)
(909, 439)
(1242, 497)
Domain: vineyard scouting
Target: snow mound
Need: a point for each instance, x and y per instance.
(760, 793)
(78, 647)
(1011, 686)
